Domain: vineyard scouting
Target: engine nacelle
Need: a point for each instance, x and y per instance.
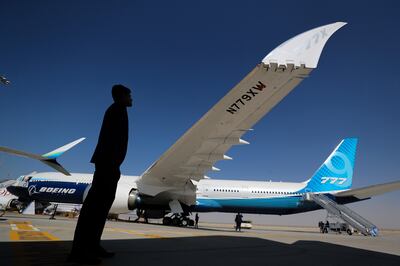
(122, 198)
(134, 199)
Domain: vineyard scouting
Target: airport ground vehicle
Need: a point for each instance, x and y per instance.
(337, 227)
(246, 224)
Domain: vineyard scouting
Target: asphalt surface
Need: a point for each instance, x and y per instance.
(36, 240)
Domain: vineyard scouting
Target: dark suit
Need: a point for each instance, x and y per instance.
(109, 154)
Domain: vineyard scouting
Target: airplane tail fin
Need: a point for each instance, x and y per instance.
(49, 158)
(336, 173)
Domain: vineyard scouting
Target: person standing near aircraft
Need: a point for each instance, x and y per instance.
(108, 156)
(196, 219)
(238, 220)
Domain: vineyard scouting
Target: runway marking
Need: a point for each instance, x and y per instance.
(156, 233)
(133, 232)
(26, 231)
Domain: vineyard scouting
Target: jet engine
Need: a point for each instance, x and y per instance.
(133, 199)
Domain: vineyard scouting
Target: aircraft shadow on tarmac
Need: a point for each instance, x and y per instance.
(225, 229)
(212, 250)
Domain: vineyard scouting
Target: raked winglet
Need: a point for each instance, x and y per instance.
(49, 158)
(303, 49)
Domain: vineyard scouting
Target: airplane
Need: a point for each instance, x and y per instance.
(4, 80)
(177, 182)
(8, 201)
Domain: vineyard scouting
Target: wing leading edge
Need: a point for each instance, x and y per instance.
(368, 192)
(207, 141)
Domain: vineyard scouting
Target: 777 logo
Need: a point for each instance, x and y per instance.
(333, 180)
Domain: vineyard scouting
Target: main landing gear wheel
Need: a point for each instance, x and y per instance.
(177, 220)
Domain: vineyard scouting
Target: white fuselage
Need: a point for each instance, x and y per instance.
(211, 194)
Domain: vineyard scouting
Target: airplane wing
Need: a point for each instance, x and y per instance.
(6, 183)
(206, 142)
(367, 192)
(49, 158)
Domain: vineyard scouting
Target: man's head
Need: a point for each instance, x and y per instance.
(122, 95)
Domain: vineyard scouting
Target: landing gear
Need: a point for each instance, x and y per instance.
(141, 214)
(2, 210)
(54, 212)
(21, 207)
(177, 219)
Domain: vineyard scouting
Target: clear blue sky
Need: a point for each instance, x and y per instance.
(180, 58)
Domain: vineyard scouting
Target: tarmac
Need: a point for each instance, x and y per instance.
(36, 240)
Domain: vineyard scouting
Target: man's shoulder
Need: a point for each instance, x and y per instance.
(115, 109)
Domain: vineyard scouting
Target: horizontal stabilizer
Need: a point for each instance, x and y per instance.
(367, 192)
(48, 158)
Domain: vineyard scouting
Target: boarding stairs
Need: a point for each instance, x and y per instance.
(346, 214)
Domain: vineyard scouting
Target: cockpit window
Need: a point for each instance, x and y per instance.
(27, 178)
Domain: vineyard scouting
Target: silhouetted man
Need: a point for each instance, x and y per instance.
(196, 220)
(238, 220)
(109, 154)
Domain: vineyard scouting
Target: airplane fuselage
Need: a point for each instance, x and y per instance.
(211, 195)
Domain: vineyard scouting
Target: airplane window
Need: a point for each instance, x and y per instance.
(27, 178)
